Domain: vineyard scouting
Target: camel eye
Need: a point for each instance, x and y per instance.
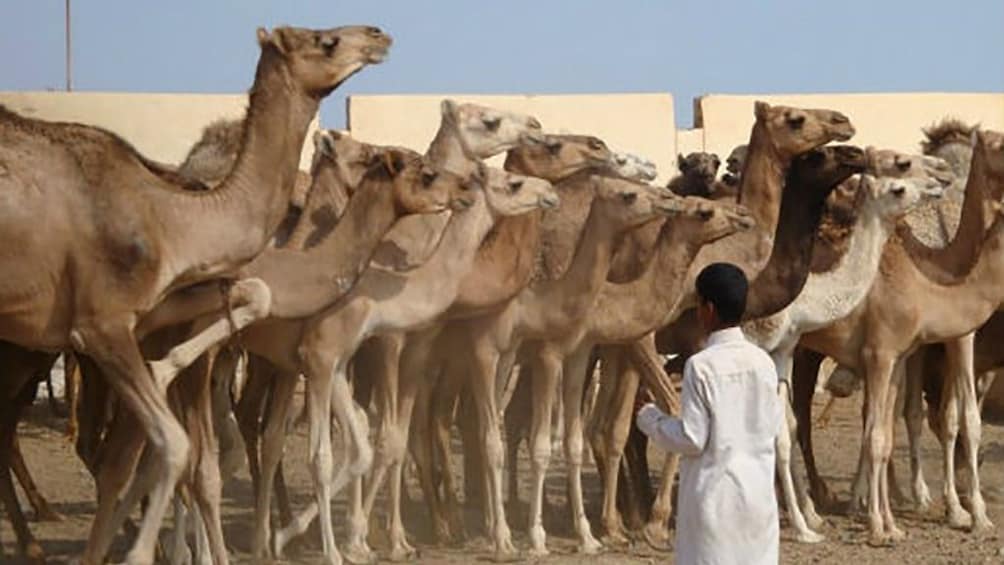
(596, 144)
(515, 186)
(898, 191)
(903, 166)
(629, 197)
(428, 177)
(795, 122)
(492, 124)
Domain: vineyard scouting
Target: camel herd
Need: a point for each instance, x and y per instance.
(409, 292)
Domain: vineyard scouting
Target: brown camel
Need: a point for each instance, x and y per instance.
(697, 174)
(923, 295)
(154, 247)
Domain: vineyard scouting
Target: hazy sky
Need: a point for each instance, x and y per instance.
(525, 46)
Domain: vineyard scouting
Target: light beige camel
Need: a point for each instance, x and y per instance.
(503, 265)
(810, 180)
(159, 239)
(831, 295)
(923, 295)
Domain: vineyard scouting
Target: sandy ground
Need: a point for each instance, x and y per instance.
(65, 481)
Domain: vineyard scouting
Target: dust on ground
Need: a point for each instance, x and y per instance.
(65, 481)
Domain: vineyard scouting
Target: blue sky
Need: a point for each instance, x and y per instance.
(525, 46)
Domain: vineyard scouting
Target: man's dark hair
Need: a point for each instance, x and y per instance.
(724, 285)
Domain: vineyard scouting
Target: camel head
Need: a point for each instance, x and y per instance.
(893, 196)
(699, 165)
(628, 204)
(826, 167)
(953, 141)
(418, 186)
(633, 167)
(556, 157)
(348, 158)
(734, 165)
(792, 131)
(707, 221)
(319, 60)
(890, 163)
(510, 194)
(485, 131)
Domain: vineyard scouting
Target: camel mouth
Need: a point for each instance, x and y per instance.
(549, 201)
(461, 204)
(843, 132)
(377, 55)
(730, 179)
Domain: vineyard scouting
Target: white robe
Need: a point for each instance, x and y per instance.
(730, 416)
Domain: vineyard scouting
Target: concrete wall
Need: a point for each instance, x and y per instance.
(637, 123)
(161, 126)
(884, 120)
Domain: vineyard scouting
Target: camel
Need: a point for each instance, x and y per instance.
(923, 295)
(810, 180)
(503, 266)
(697, 174)
(828, 296)
(154, 246)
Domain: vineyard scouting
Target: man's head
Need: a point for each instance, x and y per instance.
(721, 292)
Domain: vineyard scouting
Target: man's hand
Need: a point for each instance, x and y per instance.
(641, 398)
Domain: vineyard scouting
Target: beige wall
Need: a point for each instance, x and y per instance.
(884, 120)
(161, 126)
(637, 123)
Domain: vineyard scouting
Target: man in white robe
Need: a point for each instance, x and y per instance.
(730, 417)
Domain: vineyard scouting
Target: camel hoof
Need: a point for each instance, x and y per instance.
(880, 540)
(590, 546)
(615, 538)
(982, 525)
(959, 519)
(896, 534)
(538, 552)
(506, 555)
(402, 553)
(657, 537)
(810, 536)
(357, 554)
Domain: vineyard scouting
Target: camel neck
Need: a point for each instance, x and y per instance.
(305, 281)
(951, 263)
(234, 222)
(787, 268)
(762, 179)
(627, 311)
(461, 238)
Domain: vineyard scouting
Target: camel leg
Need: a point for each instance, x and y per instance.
(971, 427)
(443, 405)
(515, 420)
(546, 370)
(207, 484)
(9, 416)
(257, 297)
(609, 429)
(180, 552)
(573, 376)
(956, 515)
(421, 446)
(410, 364)
(71, 376)
(892, 409)
(914, 416)
(805, 371)
(803, 532)
(272, 441)
(484, 374)
(114, 349)
(879, 366)
(43, 510)
(384, 355)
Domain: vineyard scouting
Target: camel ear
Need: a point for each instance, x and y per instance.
(681, 162)
(324, 143)
(760, 109)
(870, 158)
(275, 38)
(448, 107)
